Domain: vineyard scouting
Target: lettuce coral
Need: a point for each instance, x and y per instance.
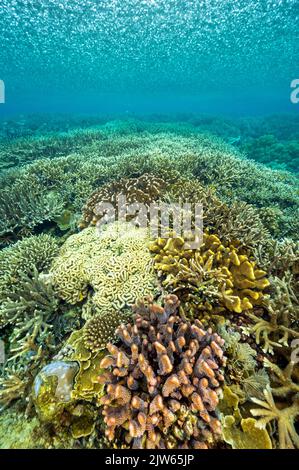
(163, 381)
(217, 275)
(112, 268)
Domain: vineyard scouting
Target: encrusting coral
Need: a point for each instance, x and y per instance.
(112, 268)
(216, 275)
(163, 381)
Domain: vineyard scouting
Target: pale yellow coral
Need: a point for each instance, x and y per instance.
(112, 267)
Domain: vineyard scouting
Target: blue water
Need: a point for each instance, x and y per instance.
(148, 56)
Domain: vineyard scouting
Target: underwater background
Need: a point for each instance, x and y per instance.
(112, 336)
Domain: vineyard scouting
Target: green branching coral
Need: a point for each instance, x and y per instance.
(22, 290)
(113, 268)
(215, 276)
(25, 205)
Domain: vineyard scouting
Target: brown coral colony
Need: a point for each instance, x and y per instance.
(163, 380)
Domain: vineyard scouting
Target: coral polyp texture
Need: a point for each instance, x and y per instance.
(163, 380)
(143, 190)
(216, 275)
(112, 268)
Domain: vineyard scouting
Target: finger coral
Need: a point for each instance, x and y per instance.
(163, 381)
(145, 189)
(216, 275)
(113, 268)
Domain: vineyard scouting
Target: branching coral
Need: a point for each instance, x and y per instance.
(163, 380)
(113, 268)
(145, 190)
(279, 325)
(22, 290)
(216, 275)
(25, 205)
(237, 221)
(284, 417)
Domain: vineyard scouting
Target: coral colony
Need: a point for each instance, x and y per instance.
(119, 337)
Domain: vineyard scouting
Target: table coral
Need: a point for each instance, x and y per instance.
(112, 268)
(163, 381)
(216, 275)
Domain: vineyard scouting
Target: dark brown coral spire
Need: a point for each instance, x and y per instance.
(163, 381)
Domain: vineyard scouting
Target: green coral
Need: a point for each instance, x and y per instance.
(22, 290)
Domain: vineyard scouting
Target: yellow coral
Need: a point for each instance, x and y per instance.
(217, 274)
(113, 268)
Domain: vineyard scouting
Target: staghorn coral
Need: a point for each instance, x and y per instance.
(143, 190)
(215, 276)
(12, 387)
(168, 153)
(279, 256)
(112, 268)
(163, 381)
(25, 205)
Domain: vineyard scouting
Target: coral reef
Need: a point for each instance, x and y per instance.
(112, 268)
(99, 330)
(215, 276)
(163, 381)
(89, 360)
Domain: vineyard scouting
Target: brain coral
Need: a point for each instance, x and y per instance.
(145, 189)
(112, 268)
(216, 275)
(163, 380)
